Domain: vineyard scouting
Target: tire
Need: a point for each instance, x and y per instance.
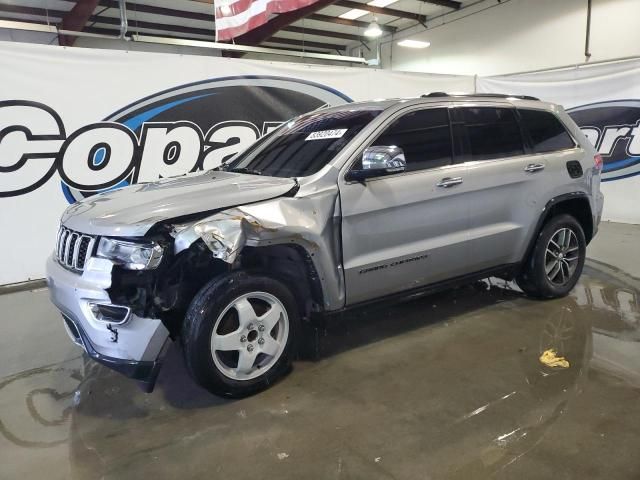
(239, 334)
(554, 267)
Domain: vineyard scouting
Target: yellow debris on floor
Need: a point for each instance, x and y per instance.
(551, 359)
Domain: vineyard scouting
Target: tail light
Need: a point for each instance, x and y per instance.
(597, 162)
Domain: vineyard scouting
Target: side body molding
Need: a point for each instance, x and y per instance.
(308, 221)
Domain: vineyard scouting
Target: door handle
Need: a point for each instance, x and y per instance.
(534, 167)
(449, 182)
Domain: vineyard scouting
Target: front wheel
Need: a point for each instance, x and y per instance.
(239, 332)
(556, 261)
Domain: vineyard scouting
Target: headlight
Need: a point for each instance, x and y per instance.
(130, 255)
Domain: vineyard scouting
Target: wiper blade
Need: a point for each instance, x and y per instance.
(244, 170)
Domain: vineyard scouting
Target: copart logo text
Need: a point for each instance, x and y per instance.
(613, 127)
(185, 129)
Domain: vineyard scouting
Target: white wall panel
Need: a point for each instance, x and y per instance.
(518, 35)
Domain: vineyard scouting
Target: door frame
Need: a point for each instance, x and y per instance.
(380, 129)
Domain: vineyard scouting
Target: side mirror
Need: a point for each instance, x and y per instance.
(378, 161)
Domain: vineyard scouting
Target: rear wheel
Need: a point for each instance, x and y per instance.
(556, 262)
(239, 332)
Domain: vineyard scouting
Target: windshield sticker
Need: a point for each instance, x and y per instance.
(326, 134)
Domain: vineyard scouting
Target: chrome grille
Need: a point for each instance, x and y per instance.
(73, 248)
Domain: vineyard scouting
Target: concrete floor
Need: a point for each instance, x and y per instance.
(446, 386)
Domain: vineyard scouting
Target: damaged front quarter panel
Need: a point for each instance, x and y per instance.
(223, 233)
(309, 222)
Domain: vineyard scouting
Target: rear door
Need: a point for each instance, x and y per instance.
(406, 230)
(508, 181)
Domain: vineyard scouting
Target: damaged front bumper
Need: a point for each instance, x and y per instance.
(134, 348)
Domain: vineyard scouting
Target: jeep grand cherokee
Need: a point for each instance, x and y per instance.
(335, 208)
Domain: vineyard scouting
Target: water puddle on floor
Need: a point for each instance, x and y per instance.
(445, 386)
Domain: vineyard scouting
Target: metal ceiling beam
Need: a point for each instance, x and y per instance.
(285, 41)
(133, 24)
(34, 26)
(41, 26)
(192, 30)
(106, 31)
(445, 3)
(246, 48)
(324, 47)
(350, 23)
(168, 12)
(40, 12)
(382, 10)
(288, 49)
(76, 19)
(167, 29)
(323, 33)
(205, 17)
(305, 43)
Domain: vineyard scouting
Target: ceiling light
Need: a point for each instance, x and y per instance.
(373, 30)
(353, 14)
(413, 43)
(381, 3)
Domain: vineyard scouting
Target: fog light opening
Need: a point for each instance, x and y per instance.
(108, 313)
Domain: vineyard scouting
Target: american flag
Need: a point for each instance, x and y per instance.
(236, 17)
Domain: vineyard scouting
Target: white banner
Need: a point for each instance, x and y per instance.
(604, 100)
(74, 122)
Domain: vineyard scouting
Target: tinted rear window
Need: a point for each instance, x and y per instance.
(546, 131)
(491, 133)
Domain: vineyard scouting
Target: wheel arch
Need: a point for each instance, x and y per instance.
(575, 204)
(292, 265)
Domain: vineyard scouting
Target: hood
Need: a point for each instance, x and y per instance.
(132, 211)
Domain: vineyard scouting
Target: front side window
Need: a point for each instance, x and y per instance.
(424, 137)
(489, 132)
(304, 145)
(546, 132)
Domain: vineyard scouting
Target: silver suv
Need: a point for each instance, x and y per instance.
(336, 208)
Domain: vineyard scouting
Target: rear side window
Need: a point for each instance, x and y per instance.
(546, 132)
(489, 132)
(424, 136)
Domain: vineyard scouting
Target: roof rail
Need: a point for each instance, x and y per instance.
(485, 95)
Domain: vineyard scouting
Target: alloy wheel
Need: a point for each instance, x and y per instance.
(249, 335)
(561, 256)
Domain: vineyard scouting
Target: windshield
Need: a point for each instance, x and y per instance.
(302, 146)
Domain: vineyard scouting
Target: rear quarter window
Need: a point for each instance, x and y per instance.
(546, 132)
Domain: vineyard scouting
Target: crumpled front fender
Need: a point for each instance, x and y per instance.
(312, 222)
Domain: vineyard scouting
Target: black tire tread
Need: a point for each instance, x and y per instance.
(197, 326)
(532, 280)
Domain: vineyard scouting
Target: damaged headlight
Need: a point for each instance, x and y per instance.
(130, 255)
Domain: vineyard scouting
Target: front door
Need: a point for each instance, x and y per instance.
(408, 229)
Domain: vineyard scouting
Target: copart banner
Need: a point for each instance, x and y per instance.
(74, 122)
(604, 100)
